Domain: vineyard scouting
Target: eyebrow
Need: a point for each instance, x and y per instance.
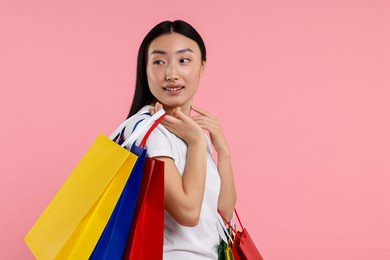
(179, 51)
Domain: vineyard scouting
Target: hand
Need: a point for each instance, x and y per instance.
(211, 124)
(157, 107)
(181, 125)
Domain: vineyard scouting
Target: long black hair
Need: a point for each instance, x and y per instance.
(142, 94)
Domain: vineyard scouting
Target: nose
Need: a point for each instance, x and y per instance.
(171, 73)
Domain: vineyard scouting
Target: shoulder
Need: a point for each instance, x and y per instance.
(127, 127)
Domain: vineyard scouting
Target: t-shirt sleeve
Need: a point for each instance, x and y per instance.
(158, 143)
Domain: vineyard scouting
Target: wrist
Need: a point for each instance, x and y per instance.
(223, 153)
(197, 140)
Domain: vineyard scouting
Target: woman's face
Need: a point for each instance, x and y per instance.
(174, 67)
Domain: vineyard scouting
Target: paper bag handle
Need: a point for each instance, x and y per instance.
(226, 222)
(158, 121)
(144, 125)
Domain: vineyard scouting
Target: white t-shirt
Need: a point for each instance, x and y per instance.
(180, 242)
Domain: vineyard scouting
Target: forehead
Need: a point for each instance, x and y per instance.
(173, 42)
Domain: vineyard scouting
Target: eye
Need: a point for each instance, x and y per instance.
(158, 62)
(185, 60)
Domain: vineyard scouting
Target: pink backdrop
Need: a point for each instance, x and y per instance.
(301, 87)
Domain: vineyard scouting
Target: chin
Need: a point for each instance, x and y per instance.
(172, 104)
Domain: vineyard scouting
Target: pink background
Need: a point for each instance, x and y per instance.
(301, 88)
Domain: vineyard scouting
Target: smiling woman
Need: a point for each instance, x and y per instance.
(171, 61)
(174, 67)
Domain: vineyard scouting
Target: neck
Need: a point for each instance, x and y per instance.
(186, 109)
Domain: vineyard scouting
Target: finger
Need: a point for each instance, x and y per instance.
(177, 112)
(171, 120)
(202, 117)
(201, 111)
(208, 124)
(205, 120)
(158, 106)
(204, 126)
(151, 110)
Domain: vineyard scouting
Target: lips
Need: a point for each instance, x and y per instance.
(173, 88)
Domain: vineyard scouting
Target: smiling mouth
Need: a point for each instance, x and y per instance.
(173, 89)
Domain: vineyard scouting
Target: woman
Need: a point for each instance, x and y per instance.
(171, 61)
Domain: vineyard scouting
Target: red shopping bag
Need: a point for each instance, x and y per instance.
(243, 246)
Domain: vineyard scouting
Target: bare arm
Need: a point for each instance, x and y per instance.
(227, 195)
(184, 194)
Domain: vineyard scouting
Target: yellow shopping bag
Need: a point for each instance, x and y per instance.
(73, 222)
(84, 203)
(229, 252)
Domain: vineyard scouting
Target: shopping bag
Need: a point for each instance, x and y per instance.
(229, 249)
(147, 229)
(146, 241)
(75, 218)
(229, 253)
(225, 251)
(90, 192)
(222, 250)
(114, 238)
(243, 246)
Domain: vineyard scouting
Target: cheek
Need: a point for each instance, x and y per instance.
(153, 74)
(195, 76)
(191, 73)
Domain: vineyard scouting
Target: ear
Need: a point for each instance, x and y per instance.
(202, 68)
